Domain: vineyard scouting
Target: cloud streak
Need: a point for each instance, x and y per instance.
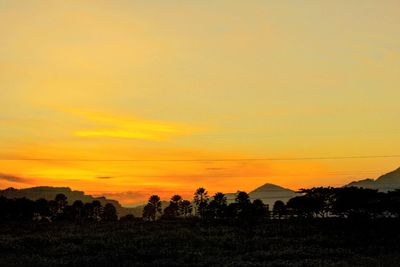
(104, 177)
(130, 128)
(12, 178)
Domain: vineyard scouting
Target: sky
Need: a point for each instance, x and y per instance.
(130, 98)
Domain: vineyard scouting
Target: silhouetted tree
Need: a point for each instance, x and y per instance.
(61, 201)
(355, 202)
(4, 206)
(173, 209)
(231, 211)
(217, 207)
(77, 210)
(152, 208)
(318, 201)
(201, 201)
(243, 207)
(301, 206)
(393, 203)
(176, 199)
(87, 211)
(148, 213)
(279, 209)
(186, 208)
(109, 213)
(242, 198)
(42, 207)
(96, 210)
(24, 209)
(57, 207)
(54, 209)
(259, 210)
(170, 212)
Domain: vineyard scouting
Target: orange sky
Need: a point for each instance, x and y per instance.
(129, 98)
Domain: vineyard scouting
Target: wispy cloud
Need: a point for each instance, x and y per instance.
(131, 128)
(104, 177)
(215, 169)
(13, 178)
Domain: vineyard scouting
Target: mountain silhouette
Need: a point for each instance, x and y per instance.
(268, 193)
(386, 182)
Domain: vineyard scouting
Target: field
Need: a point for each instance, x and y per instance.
(275, 243)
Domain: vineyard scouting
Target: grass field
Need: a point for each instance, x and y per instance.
(274, 243)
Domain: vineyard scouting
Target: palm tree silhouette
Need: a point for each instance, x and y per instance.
(217, 206)
(201, 200)
(243, 207)
(186, 208)
(152, 208)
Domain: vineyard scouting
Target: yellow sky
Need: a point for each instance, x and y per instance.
(175, 86)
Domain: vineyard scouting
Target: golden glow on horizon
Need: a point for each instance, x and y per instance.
(106, 80)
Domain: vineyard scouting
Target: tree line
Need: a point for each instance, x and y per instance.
(207, 208)
(318, 202)
(23, 209)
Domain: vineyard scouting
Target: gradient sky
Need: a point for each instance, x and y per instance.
(94, 81)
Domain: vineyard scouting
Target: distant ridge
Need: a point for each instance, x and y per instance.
(387, 182)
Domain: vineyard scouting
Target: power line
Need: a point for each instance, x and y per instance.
(203, 160)
(228, 175)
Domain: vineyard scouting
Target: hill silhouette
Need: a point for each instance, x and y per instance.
(268, 193)
(387, 182)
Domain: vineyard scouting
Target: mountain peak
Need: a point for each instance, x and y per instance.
(270, 193)
(391, 177)
(268, 187)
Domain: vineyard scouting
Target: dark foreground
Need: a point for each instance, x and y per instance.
(275, 243)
